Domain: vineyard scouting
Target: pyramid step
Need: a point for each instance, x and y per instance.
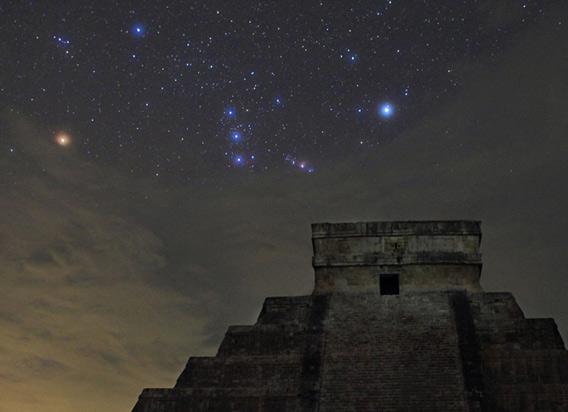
(283, 310)
(263, 339)
(201, 371)
(528, 398)
(276, 375)
(520, 334)
(495, 306)
(526, 366)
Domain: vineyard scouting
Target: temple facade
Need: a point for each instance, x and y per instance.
(397, 321)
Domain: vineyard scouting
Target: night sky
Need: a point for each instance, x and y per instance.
(161, 161)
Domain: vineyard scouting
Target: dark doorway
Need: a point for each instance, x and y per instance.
(389, 284)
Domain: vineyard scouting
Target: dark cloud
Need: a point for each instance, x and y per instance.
(111, 282)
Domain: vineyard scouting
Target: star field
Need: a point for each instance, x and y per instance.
(177, 90)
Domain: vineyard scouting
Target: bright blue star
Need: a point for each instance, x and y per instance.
(386, 110)
(238, 160)
(230, 112)
(138, 30)
(236, 136)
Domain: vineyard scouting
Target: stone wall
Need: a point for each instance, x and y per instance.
(427, 256)
(391, 353)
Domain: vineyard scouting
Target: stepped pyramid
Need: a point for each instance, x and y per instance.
(397, 321)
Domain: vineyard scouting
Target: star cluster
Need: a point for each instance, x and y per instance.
(178, 89)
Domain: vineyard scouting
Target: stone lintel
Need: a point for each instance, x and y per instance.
(418, 228)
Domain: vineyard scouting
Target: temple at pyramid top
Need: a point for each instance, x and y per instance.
(396, 257)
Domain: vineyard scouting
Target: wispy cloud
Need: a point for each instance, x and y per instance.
(80, 308)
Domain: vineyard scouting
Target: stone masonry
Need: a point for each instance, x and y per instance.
(397, 321)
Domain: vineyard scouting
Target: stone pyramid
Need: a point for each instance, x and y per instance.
(397, 321)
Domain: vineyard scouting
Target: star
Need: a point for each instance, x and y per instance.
(61, 41)
(386, 110)
(63, 139)
(238, 160)
(299, 164)
(230, 112)
(278, 101)
(236, 136)
(138, 30)
(351, 56)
